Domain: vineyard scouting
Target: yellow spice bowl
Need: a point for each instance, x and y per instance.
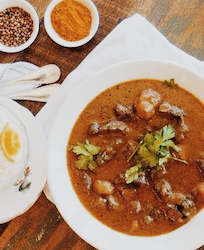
(59, 40)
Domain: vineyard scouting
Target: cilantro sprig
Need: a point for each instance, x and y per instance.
(171, 83)
(153, 151)
(86, 152)
(134, 173)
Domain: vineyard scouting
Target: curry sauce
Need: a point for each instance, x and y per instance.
(155, 197)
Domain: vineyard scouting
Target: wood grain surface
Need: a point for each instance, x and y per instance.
(181, 21)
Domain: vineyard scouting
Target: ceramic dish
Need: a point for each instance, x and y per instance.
(29, 8)
(189, 236)
(16, 201)
(56, 38)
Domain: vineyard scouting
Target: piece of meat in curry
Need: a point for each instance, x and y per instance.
(136, 157)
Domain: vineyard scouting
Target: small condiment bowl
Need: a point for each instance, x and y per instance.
(59, 40)
(28, 8)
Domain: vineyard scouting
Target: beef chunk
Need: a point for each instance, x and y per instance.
(106, 155)
(173, 213)
(177, 112)
(141, 180)
(136, 205)
(175, 198)
(148, 219)
(93, 129)
(157, 214)
(199, 191)
(131, 146)
(113, 202)
(124, 112)
(156, 122)
(165, 107)
(103, 187)
(100, 202)
(148, 207)
(128, 194)
(184, 203)
(87, 180)
(181, 130)
(200, 164)
(163, 188)
(188, 207)
(114, 126)
(148, 101)
(96, 128)
(129, 149)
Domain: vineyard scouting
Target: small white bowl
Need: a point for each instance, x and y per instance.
(28, 8)
(59, 40)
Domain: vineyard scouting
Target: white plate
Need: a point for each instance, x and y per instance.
(14, 202)
(187, 237)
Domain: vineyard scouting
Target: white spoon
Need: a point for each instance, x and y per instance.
(41, 94)
(44, 75)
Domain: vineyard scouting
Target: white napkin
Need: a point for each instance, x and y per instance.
(10, 71)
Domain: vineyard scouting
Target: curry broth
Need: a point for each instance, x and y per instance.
(183, 178)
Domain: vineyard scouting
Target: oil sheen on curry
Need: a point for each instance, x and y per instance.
(136, 157)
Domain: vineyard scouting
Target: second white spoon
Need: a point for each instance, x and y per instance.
(41, 94)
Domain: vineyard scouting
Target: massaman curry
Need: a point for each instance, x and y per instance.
(136, 157)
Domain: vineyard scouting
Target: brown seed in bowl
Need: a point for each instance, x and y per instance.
(16, 26)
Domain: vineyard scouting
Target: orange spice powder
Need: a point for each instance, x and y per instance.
(71, 20)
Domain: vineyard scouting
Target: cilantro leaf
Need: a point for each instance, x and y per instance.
(133, 173)
(167, 132)
(92, 165)
(82, 162)
(80, 150)
(146, 156)
(171, 144)
(93, 150)
(153, 151)
(171, 83)
(85, 151)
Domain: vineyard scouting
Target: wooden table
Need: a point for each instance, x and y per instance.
(181, 21)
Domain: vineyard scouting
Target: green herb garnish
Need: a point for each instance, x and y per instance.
(153, 152)
(86, 153)
(171, 83)
(134, 173)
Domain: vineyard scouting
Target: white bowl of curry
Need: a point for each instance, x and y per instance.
(71, 23)
(126, 168)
